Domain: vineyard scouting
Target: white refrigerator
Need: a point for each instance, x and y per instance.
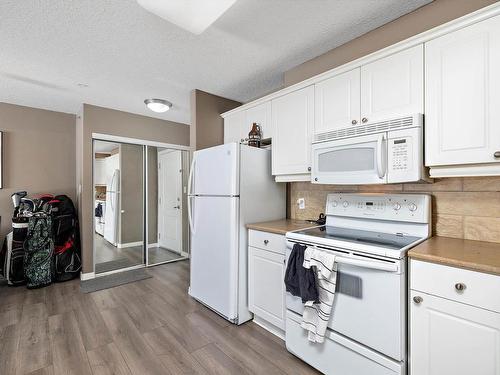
(112, 208)
(229, 186)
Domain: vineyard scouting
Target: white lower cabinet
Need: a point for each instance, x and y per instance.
(450, 336)
(266, 288)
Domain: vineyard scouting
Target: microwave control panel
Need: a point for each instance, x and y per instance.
(404, 155)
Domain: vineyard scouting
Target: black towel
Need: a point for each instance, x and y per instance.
(300, 281)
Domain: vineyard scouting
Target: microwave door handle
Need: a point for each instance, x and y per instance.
(380, 156)
(389, 267)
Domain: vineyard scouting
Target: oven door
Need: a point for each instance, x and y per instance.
(356, 160)
(369, 305)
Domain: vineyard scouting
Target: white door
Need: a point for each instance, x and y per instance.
(266, 288)
(292, 122)
(393, 86)
(462, 95)
(170, 200)
(214, 253)
(215, 171)
(260, 114)
(233, 125)
(448, 337)
(337, 102)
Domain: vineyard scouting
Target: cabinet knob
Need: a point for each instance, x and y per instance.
(364, 120)
(354, 122)
(418, 299)
(460, 287)
(497, 154)
(309, 169)
(266, 242)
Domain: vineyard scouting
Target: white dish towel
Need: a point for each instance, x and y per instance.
(316, 316)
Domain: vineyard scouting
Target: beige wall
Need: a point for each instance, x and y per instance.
(422, 19)
(462, 207)
(207, 126)
(108, 121)
(38, 155)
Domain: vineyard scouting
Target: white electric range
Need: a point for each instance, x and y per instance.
(370, 234)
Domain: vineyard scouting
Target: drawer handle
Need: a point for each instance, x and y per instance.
(460, 287)
(418, 299)
(496, 155)
(266, 242)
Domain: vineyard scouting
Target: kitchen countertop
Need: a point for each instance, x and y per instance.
(473, 255)
(281, 226)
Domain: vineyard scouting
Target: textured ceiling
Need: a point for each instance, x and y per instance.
(126, 54)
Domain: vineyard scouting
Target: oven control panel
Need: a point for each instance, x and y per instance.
(394, 207)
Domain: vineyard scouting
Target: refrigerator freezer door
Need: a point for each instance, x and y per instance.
(214, 253)
(215, 171)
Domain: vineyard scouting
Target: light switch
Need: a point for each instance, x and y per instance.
(301, 202)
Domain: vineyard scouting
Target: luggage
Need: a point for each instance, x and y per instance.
(12, 256)
(38, 251)
(67, 253)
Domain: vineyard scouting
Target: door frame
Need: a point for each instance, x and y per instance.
(160, 171)
(144, 143)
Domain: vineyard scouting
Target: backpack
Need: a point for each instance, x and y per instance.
(12, 254)
(66, 232)
(38, 251)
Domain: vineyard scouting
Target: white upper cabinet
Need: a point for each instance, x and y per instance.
(260, 114)
(462, 96)
(393, 86)
(234, 125)
(292, 125)
(337, 102)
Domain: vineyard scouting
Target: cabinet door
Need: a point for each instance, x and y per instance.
(233, 125)
(266, 288)
(337, 102)
(393, 86)
(448, 337)
(462, 95)
(292, 122)
(261, 114)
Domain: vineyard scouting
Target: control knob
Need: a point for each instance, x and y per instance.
(412, 207)
(396, 206)
(345, 204)
(335, 203)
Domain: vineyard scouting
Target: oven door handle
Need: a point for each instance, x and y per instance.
(389, 267)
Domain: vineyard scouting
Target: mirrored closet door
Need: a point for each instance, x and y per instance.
(139, 198)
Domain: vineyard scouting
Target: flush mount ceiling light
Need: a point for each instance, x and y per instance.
(158, 105)
(193, 15)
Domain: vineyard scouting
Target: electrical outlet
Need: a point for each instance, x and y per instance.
(301, 202)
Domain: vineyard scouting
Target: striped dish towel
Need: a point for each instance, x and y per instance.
(316, 316)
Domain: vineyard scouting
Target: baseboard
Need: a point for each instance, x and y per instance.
(87, 276)
(269, 327)
(153, 245)
(129, 244)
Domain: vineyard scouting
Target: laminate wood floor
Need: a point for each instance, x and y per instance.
(147, 327)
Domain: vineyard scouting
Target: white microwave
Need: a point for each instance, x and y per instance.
(385, 152)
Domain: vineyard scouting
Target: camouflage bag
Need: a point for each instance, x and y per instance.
(39, 249)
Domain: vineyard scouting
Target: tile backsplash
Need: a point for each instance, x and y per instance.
(466, 207)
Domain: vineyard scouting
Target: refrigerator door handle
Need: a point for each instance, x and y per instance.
(190, 179)
(190, 215)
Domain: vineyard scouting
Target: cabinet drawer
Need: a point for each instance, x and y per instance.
(465, 286)
(267, 241)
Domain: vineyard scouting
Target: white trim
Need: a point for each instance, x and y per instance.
(129, 244)
(472, 170)
(293, 177)
(142, 142)
(153, 245)
(456, 24)
(87, 276)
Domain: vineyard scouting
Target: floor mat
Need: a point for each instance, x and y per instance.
(114, 265)
(116, 279)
